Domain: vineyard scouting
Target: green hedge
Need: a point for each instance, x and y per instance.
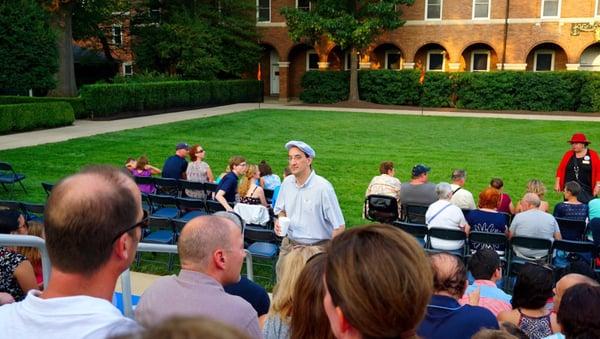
(25, 117)
(103, 100)
(77, 103)
(502, 90)
(325, 87)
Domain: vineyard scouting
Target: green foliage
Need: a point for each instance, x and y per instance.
(390, 87)
(27, 47)
(324, 87)
(26, 117)
(152, 76)
(137, 97)
(590, 94)
(493, 91)
(437, 90)
(201, 40)
(76, 102)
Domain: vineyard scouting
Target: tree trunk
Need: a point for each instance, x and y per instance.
(353, 76)
(65, 78)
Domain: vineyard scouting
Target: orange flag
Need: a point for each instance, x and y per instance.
(422, 77)
(258, 74)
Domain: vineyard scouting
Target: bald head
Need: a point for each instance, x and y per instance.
(570, 280)
(84, 214)
(201, 237)
(449, 274)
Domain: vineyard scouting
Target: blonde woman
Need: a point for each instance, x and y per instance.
(278, 320)
(537, 187)
(249, 192)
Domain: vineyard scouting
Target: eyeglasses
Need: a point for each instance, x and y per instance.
(142, 223)
(243, 164)
(200, 151)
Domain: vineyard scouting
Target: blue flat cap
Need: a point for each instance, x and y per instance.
(304, 147)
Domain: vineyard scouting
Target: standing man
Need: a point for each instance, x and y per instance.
(93, 224)
(460, 196)
(308, 200)
(176, 165)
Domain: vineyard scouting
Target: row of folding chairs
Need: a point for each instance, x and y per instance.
(31, 211)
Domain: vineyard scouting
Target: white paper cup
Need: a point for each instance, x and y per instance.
(284, 224)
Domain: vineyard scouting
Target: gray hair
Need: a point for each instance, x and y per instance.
(532, 199)
(443, 190)
(458, 174)
(236, 218)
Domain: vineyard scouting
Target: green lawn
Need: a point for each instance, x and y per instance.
(349, 147)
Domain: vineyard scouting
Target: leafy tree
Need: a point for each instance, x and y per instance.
(201, 39)
(27, 47)
(351, 24)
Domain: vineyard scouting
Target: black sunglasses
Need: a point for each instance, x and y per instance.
(142, 223)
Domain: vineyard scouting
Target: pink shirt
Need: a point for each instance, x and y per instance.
(491, 297)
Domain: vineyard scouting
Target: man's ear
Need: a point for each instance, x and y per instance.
(122, 245)
(219, 259)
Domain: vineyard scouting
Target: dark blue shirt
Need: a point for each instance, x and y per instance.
(253, 293)
(485, 221)
(174, 166)
(571, 211)
(446, 318)
(229, 184)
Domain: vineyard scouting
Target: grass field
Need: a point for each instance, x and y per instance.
(349, 147)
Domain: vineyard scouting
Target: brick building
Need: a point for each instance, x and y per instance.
(444, 35)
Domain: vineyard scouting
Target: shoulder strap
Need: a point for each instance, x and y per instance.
(456, 190)
(254, 190)
(438, 212)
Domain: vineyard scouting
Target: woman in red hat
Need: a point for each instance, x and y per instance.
(582, 165)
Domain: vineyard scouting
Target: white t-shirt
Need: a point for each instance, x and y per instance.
(63, 318)
(462, 198)
(450, 217)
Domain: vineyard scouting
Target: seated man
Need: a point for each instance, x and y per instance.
(445, 317)
(176, 165)
(211, 251)
(228, 186)
(460, 196)
(418, 190)
(533, 222)
(444, 214)
(385, 183)
(93, 225)
(485, 268)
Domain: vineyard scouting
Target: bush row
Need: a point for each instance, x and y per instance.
(29, 116)
(102, 100)
(508, 90)
(77, 103)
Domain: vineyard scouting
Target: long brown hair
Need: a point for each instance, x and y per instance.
(32, 254)
(381, 280)
(309, 319)
(247, 180)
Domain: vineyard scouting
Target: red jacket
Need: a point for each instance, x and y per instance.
(562, 167)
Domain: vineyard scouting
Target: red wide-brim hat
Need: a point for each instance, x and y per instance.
(578, 138)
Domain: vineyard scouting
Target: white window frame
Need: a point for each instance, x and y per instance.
(436, 51)
(550, 16)
(347, 61)
(543, 51)
(393, 52)
(597, 9)
(120, 34)
(308, 54)
(480, 51)
(258, 12)
(309, 5)
(124, 65)
(489, 6)
(427, 7)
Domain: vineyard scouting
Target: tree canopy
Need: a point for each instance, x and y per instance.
(201, 39)
(351, 24)
(27, 47)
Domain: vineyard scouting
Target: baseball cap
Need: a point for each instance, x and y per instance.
(182, 145)
(304, 147)
(420, 169)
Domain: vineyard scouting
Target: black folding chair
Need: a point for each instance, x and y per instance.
(47, 187)
(381, 208)
(419, 231)
(167, 186)
(145, 181)
(262, 244)
(571, 229)
(530, 243)
(8, 176)
(189, 208)
(269, 195)
(196, 189)
(11, 205)
(414, 213)
(210, 189)
(492, 240)
(565, 248)
(447, 234)
(213, 206)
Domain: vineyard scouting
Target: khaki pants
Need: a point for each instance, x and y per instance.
(287, 245)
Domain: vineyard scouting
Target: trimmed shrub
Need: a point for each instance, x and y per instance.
(438, 90)
(136, 97)
(26, 117)
(590, 94)
(325, 87)
(76, 102)
(493, 91)
(390, 87)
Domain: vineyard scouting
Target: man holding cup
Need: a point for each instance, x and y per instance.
(307, 207)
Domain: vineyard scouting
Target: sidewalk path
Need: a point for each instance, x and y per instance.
(84, 128)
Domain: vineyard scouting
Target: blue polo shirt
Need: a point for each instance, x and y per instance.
(252, 293)
(229, 184)
(446, 318)
(174, 166)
